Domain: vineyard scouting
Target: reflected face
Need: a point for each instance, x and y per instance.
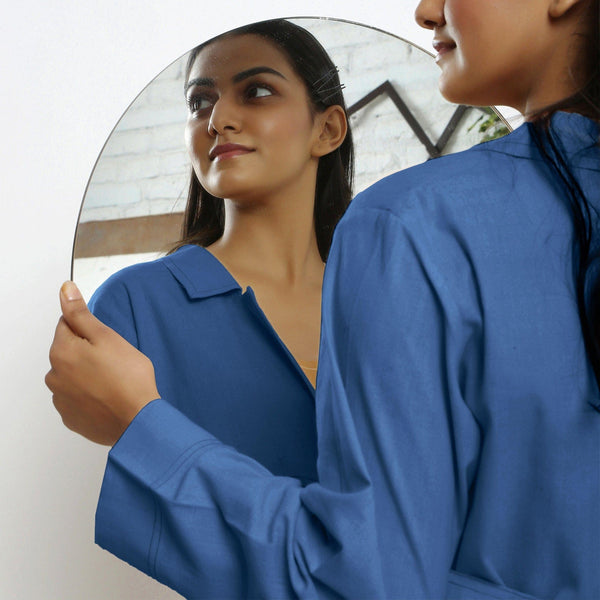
(250, 129)
(493, 51)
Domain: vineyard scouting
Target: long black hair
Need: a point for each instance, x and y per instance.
(586, 242)
(204, 218)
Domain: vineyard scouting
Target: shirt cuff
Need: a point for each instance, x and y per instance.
(156, 443)
(158, 438)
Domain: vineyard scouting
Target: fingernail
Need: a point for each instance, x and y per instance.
(70, 291)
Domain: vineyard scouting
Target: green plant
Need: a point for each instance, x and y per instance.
(490, 125)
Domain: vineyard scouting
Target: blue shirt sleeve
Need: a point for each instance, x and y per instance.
(112, 305)
(398, 446)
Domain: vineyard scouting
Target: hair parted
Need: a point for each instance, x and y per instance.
(204, 218)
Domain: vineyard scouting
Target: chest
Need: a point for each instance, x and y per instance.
(221, 363)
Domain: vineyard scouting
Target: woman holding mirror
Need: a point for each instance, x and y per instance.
(236, 306)
(458, 406)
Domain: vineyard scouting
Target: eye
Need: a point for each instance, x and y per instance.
(258, 90)
(199, 102)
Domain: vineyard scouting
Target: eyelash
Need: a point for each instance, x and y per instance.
(195, 100)
(259, 86)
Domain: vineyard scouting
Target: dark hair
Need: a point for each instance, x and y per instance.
(204, 218)
(586, 245)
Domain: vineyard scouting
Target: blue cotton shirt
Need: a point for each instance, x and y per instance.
(458, 430)
(217, 358)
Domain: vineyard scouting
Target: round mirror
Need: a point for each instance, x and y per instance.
(135, 198)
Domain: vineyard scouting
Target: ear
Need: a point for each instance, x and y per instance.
(331, 129)
(558, 8)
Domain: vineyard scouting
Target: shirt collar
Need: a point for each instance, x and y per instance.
(199, 272)
(577, 136)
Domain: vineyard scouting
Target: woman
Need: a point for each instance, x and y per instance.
(237, 305)
(458, 402)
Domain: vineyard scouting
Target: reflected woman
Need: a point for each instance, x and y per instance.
(234, 310)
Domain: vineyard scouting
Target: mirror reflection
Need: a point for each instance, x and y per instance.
(135, 199)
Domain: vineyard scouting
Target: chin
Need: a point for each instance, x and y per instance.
(459, 95)
(449, 91)
(228, 187)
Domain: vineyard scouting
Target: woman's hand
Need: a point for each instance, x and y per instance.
(98, 380)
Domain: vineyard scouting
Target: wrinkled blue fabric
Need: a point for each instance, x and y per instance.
(208, 342)
(459, 446)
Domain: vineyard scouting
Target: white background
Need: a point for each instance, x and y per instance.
(68, 71)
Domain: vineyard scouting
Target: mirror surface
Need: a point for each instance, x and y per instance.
(135, 198)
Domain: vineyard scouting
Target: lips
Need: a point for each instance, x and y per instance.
(443, 47)
(223, 151)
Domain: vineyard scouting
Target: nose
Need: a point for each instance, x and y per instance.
(223, 117)
(430, 14)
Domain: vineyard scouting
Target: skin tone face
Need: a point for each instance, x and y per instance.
(255, 140)
(250, 132)
(507, 52)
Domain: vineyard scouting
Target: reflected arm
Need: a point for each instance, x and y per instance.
(112, 305)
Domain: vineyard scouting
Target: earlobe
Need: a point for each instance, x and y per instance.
(558, 8)
(332, 129)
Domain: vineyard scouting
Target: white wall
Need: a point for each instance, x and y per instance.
(69, 69)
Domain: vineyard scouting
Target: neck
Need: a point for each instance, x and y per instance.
(563, 69)
(271, 239)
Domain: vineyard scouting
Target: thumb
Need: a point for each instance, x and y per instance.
(76, 313)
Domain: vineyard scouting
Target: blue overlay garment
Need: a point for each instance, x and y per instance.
(457, 415)
(217, 358)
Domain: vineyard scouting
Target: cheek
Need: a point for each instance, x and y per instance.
(188, 137)
(465, 15)
(194, 140)
(195, 143)
(470, 27)
(288, 127)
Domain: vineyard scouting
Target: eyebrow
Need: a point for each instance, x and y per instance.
(208, 82)
(255, 71)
